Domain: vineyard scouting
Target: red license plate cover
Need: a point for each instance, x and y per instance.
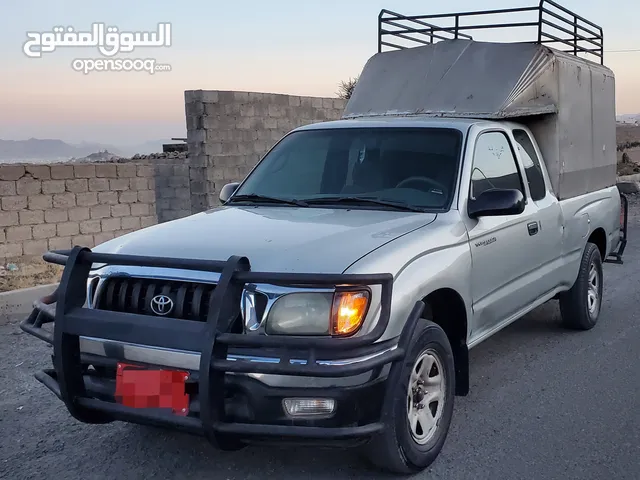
(148, 387)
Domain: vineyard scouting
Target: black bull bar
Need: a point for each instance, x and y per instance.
(211, 339)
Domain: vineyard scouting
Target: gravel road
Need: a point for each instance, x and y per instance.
(544, 404)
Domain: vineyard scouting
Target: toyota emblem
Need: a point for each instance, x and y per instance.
(161, 305)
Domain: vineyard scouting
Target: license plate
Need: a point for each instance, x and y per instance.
(147, 387)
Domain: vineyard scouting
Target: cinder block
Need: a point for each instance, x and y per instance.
(98, 185)
(78, 214)
(101, 211)
(193, 109)
(147, 196)
(121, 210)
(186, 192)
(8, 219)
(18, 234)
(14, 203)
(108, 198)
(56, 216)
(127, 170)
(294, 101)
(139, 183)
(145, 171)
(87, 199)
(40, 172)
(7, 188)
(29, 186)
(90, 226)
(83, 241)
(11, 172)
(164, 170)
(132, 223)
(45, 230)
(84, 171)
(276, 111)
(192, 96)
(102, 238)
(53, 186)
(40, 202)
(35, 247)
(111, 224)
(119, 184)
(61, 172)
(316, 102)
(68, 229)
(13, 250)
(31, 217)
(129, 196)
(140, 209)
(209, 96)
(79, 185)
(59, 243)
(214, 148)
(106, 171)
(177, 182)
(64, 200)
(148, 221)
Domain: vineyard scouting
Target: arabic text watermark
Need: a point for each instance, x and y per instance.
(107, 39)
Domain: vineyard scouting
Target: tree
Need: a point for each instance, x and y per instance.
(345, 89)
(625, 157)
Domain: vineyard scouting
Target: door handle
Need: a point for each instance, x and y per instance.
(533, 228)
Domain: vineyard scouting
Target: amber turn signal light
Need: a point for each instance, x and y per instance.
(348, 311)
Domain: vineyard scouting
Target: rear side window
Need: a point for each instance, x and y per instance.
(532, 168)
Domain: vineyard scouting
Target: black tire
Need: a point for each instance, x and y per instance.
(576, 303)
(395, 448)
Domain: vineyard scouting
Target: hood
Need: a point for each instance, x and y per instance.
(284, 239)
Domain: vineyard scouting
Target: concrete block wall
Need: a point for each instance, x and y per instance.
(57, 206)
(51, 207)
(228, 132)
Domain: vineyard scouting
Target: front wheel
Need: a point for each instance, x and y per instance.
(419, 416)
(580, 306)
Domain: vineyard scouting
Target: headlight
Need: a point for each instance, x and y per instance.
(340, 314)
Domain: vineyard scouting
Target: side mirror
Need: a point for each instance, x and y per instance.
(227, 191)
(492, 203)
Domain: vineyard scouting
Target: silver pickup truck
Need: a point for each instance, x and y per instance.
(334, 296)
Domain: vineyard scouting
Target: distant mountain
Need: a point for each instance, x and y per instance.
(54, 150)
(38, 150)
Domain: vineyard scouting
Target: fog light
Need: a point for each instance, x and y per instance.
(308, 407)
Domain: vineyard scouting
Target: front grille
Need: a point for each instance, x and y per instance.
(190, 301)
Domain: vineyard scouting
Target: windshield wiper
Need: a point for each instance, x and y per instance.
(254, 197)
(363, 200)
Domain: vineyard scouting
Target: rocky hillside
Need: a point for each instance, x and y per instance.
(628, 139)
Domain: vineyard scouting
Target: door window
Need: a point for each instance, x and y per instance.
(494, 165)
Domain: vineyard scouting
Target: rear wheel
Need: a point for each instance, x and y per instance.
(580, 306)
(418, 418)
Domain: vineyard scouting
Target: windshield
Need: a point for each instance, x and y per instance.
(416, 167)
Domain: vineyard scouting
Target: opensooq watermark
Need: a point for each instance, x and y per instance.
(109, 41)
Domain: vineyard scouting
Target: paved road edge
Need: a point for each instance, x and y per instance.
(20, 302)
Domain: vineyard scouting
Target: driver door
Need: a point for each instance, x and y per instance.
(499, 245)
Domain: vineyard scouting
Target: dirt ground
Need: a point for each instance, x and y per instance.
(30, 274)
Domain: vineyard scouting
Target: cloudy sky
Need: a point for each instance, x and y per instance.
(279, 46)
